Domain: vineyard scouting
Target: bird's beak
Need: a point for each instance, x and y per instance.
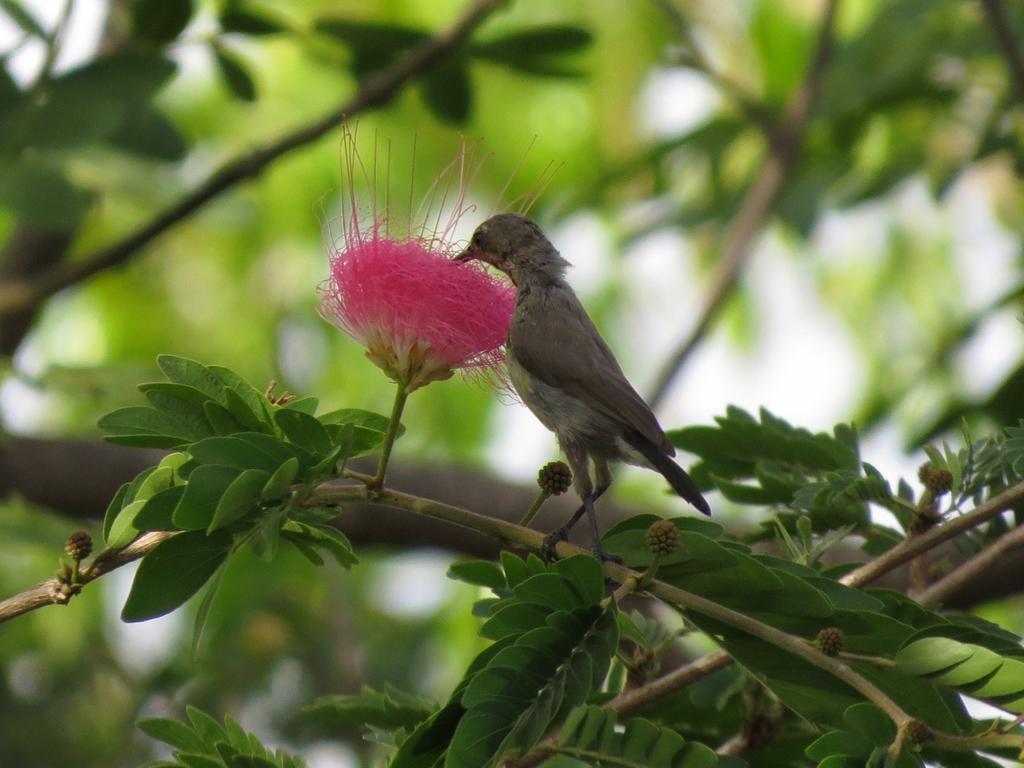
(469, 255)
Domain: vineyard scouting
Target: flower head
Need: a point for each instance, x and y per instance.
(420, 315)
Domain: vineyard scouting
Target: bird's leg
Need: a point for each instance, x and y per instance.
(596, 547)
(604, 479)
(562, 533)
(579, 462)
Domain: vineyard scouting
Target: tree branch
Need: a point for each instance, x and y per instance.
(911, 547)
(967, 571)
(54, 591)
(1003, 32)
(375, 91)
(783, 151)
(636, 698)
(510, 534)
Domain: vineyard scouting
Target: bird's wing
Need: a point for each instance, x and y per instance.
(559, 344)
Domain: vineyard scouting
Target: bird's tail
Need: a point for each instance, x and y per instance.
(681, 482)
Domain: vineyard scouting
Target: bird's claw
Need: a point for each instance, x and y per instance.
(552, 540)
(606, 557)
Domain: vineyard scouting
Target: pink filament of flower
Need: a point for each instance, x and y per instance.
(404, 292)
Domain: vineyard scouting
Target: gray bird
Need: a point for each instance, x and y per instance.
(566, 374)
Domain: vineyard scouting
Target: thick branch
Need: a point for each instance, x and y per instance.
(783, 151)
(1003, 32)
(90, 472)
(375, 91)
(968, 571)
(29, 251)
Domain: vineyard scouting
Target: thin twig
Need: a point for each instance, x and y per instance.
(757, 204)
(53, 46)
(677, 679)
(375, 91)
(688, 601)
(970, 569)
(1003, 31)
(52, 592)
(911, 547)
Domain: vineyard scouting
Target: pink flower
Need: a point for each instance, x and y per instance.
(420, 315)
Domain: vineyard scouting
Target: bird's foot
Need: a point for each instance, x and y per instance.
(552, 540)
(605, 557)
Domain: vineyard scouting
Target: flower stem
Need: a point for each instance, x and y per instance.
(533, 510)
(401, 393)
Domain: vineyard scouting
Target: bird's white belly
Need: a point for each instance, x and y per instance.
(567, 416)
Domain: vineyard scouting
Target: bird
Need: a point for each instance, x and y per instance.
(565, 373)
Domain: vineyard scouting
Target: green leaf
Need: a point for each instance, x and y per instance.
(279, 484)
(741, 447)
(249, 23)
(585, 574)
(89, 103)
(172, 732)
(235, 75)
(182, 370)
(233, 452)
(157, 513)
(509, 619)
(322, 536)
(41, 195)
(206, 485)
(839, 743)
(221, 419)
(173, 572)
(159, 21)
(255, 405)
(782, 40)
(147, 133)
(550, 591)
(981, 664)
(426, 745)
(374, 45)
(515, 699)
(193, 760)
(304, 431)
(368, 428)
(390, 709)
(208, 728)
(239, 498)
(114, 508)
(268, 536)
(868, 721)
(307, 405)
(482, 573)
(592, 732)
(539, 51)
(181, 403)
(514, 567)
(134, 424)
(369, 34)
(448, 91)
(932, 654)
(123, 530)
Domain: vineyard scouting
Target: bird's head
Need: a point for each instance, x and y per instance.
(515, 245)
